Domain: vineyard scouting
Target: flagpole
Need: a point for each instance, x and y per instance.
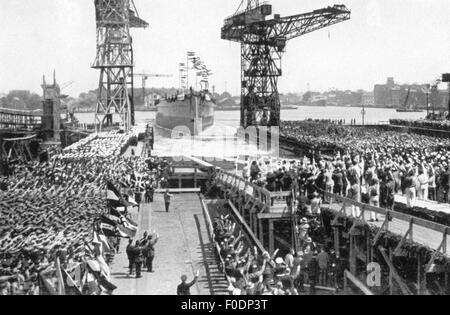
(187, 72)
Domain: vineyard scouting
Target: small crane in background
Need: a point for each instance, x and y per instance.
(145, 76)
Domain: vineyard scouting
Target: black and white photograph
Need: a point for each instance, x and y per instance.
(224, 152)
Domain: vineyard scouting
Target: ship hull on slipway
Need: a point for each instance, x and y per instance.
(196, 112)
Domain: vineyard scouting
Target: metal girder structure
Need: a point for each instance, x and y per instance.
(11, 120)
(18, 148)
(115, 61)
(263, 43)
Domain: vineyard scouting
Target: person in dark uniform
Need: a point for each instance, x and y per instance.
(390, 192)
(149, 193)
(185, 288)
(130, 255)
(167, 200)
(138, 259)
(313, 269)
(150, 251)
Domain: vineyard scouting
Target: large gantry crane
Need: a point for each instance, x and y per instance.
(263, 43)
(115, 61)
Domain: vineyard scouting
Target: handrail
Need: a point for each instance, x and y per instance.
(339, 199)
(349, 276)
(259, 194)
(18, 112)
(392, 214)
(210, 229)
(247, 228)
(262, 197)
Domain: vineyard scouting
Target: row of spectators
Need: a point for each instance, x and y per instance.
(419, 166)
(443, 125)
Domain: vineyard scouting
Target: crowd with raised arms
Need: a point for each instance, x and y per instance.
(250, 271)
(48, 211)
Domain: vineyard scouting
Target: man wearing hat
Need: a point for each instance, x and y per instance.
(303, 229)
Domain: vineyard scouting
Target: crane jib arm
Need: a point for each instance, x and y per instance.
(282, 27)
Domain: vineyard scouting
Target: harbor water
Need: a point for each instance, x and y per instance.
(220, 141)
(232, 118)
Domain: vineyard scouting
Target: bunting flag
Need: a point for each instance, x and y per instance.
(104, 268)
(107, 247)
(108, 230)
(112, 193)
(131, 222)
(76, 273)
(109, 220)
(117, 212)
(96, 269)
(126, 232)
(131, 202)
(122, 234)
(70, 284)
(101, 239)
(60, 287)
(124, 226)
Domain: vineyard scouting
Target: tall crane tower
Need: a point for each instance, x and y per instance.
(115, 61)
(263, 42)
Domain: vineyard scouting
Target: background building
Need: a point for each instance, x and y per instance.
(368, 99)
(395, 95)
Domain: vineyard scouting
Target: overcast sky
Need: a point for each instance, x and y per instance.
(406, 39)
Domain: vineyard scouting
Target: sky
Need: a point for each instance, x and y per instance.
(405, 39)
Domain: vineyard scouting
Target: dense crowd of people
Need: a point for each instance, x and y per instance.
(414, 165)
(441, 124)
(368, 166)
(48, 211)
(252, 272)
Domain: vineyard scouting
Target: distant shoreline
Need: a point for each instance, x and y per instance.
(287, 107)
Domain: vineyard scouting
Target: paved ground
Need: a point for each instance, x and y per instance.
(184, 248)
